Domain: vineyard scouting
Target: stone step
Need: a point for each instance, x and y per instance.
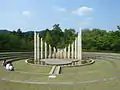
(57, 71)
(52, 70)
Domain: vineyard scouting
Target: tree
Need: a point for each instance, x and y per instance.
(19, 33)
(56, 35)
(94, 40)
(48, 38)
(118, 27)
(69, 36)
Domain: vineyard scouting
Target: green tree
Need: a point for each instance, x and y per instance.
(56, 34)
(48, 38)
(118, 27)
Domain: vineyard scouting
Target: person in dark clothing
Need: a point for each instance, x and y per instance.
(4, 63)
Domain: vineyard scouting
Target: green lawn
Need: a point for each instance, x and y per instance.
(99, 70)
(109, 85)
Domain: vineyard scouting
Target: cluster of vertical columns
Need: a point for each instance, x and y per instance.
(40, 49)
(74, 50)
(44, 51)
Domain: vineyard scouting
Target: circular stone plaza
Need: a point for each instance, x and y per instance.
(60, 69)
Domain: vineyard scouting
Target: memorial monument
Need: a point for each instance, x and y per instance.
(44, 54)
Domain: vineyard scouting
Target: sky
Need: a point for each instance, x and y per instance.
(41, 14)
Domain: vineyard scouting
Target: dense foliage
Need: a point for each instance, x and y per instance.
(92, 40)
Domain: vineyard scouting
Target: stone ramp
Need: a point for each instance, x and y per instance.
(52, 70)
(55, 70)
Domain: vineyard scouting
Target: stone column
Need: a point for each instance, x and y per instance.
(38, 53)
(69, 51)
(61, 54)
(35, 56)
(58, 53)
(79, 45)
(64, 53)
(41, 49)
(45, 50)
(50, 51)
(54, 50)
(76, 48)
(72, 50)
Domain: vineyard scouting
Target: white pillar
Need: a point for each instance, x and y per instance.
(64, 53)
(50, 51)
(41, 50)
(35, 57)
(76, 48)
(41, 56)
(54, 50)
(79, 45)
(72, 50)
(58, 53)
(45, 50)
(69, 51)
(38, 53)
(61, 54)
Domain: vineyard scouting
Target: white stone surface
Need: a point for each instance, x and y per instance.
(52, 76)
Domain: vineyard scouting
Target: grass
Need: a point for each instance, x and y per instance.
(109, 85)
(99, 70)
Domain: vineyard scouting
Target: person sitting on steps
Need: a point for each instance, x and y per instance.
(4, 63)
(10, 67)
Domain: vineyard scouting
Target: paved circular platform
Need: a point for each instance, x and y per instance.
(58, 61)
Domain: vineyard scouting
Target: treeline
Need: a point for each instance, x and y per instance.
(92, 40)
(101, 40)
(16, 41)
(24, 41)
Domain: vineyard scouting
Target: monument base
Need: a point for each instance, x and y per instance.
(58, 61)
